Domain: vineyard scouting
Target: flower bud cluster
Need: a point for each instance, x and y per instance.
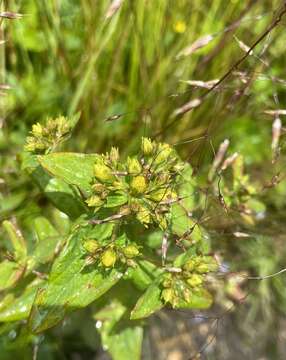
(109, 255)
(145, 184)
(44, 138)
(179, 286)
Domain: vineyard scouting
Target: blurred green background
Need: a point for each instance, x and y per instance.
(65, 56)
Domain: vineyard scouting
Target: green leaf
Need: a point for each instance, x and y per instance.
(121, 337)
(11, 202)
(48, 240)
(44, 229)
(57, 191)
(16, 239)
(10, 274)
(148, 303)
(200, 299)
(187, 188)
(20, 307)
(143, 274)
(181, 223)
(184, 257)
(74, 169)
(71, 285)
(116, 200)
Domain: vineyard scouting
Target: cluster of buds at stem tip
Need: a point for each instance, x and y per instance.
(45, 138)
(179, 283)
(145, 184)
(109, 255)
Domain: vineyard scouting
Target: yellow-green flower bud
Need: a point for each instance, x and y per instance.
(31, 144)
(157, 195)
(167, 283)
(62, 125)
(51, 125)
(130, 251)
(143, 215)
(195, 280)
(103, 172)
(147, 146)
(91, 246)
(202, 268)
(114, 154)
(37, 130)
(168, 295)
(108, 258)
(94, 201)
(187, 295)
(179, 167)
(162, 222)
(190, 265)
(125, 210)
(98, 188)
(162, 195)
(138, 184)
(133, 166)
(163, 153)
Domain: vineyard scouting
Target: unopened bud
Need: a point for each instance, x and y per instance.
(98, 188)
(37, 130)
(202, 268)
(94, 201)
(147, 146)
(139, 184)
(62, 125)
(195, 280)
(91, 246)
(108, 258)
(143, 215)
(103, 172)
(190, 265)
(130, 251)
(114, 154)
(133, 166)
(168, 295)
(163, 153)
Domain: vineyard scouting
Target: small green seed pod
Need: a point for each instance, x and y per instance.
(195, 280)
(91, 246)
(108, 258)
(168, 295)
(133, 166)
(147, 146)
(63, 126)
(163, 153)
(37, 130)
(94, 201)
(130, 251)
(138, 184)
(98, 188)
(167, 283)
(202, 268)
(190, 265)
(114, 154)
(143, 215)
(103, 172)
